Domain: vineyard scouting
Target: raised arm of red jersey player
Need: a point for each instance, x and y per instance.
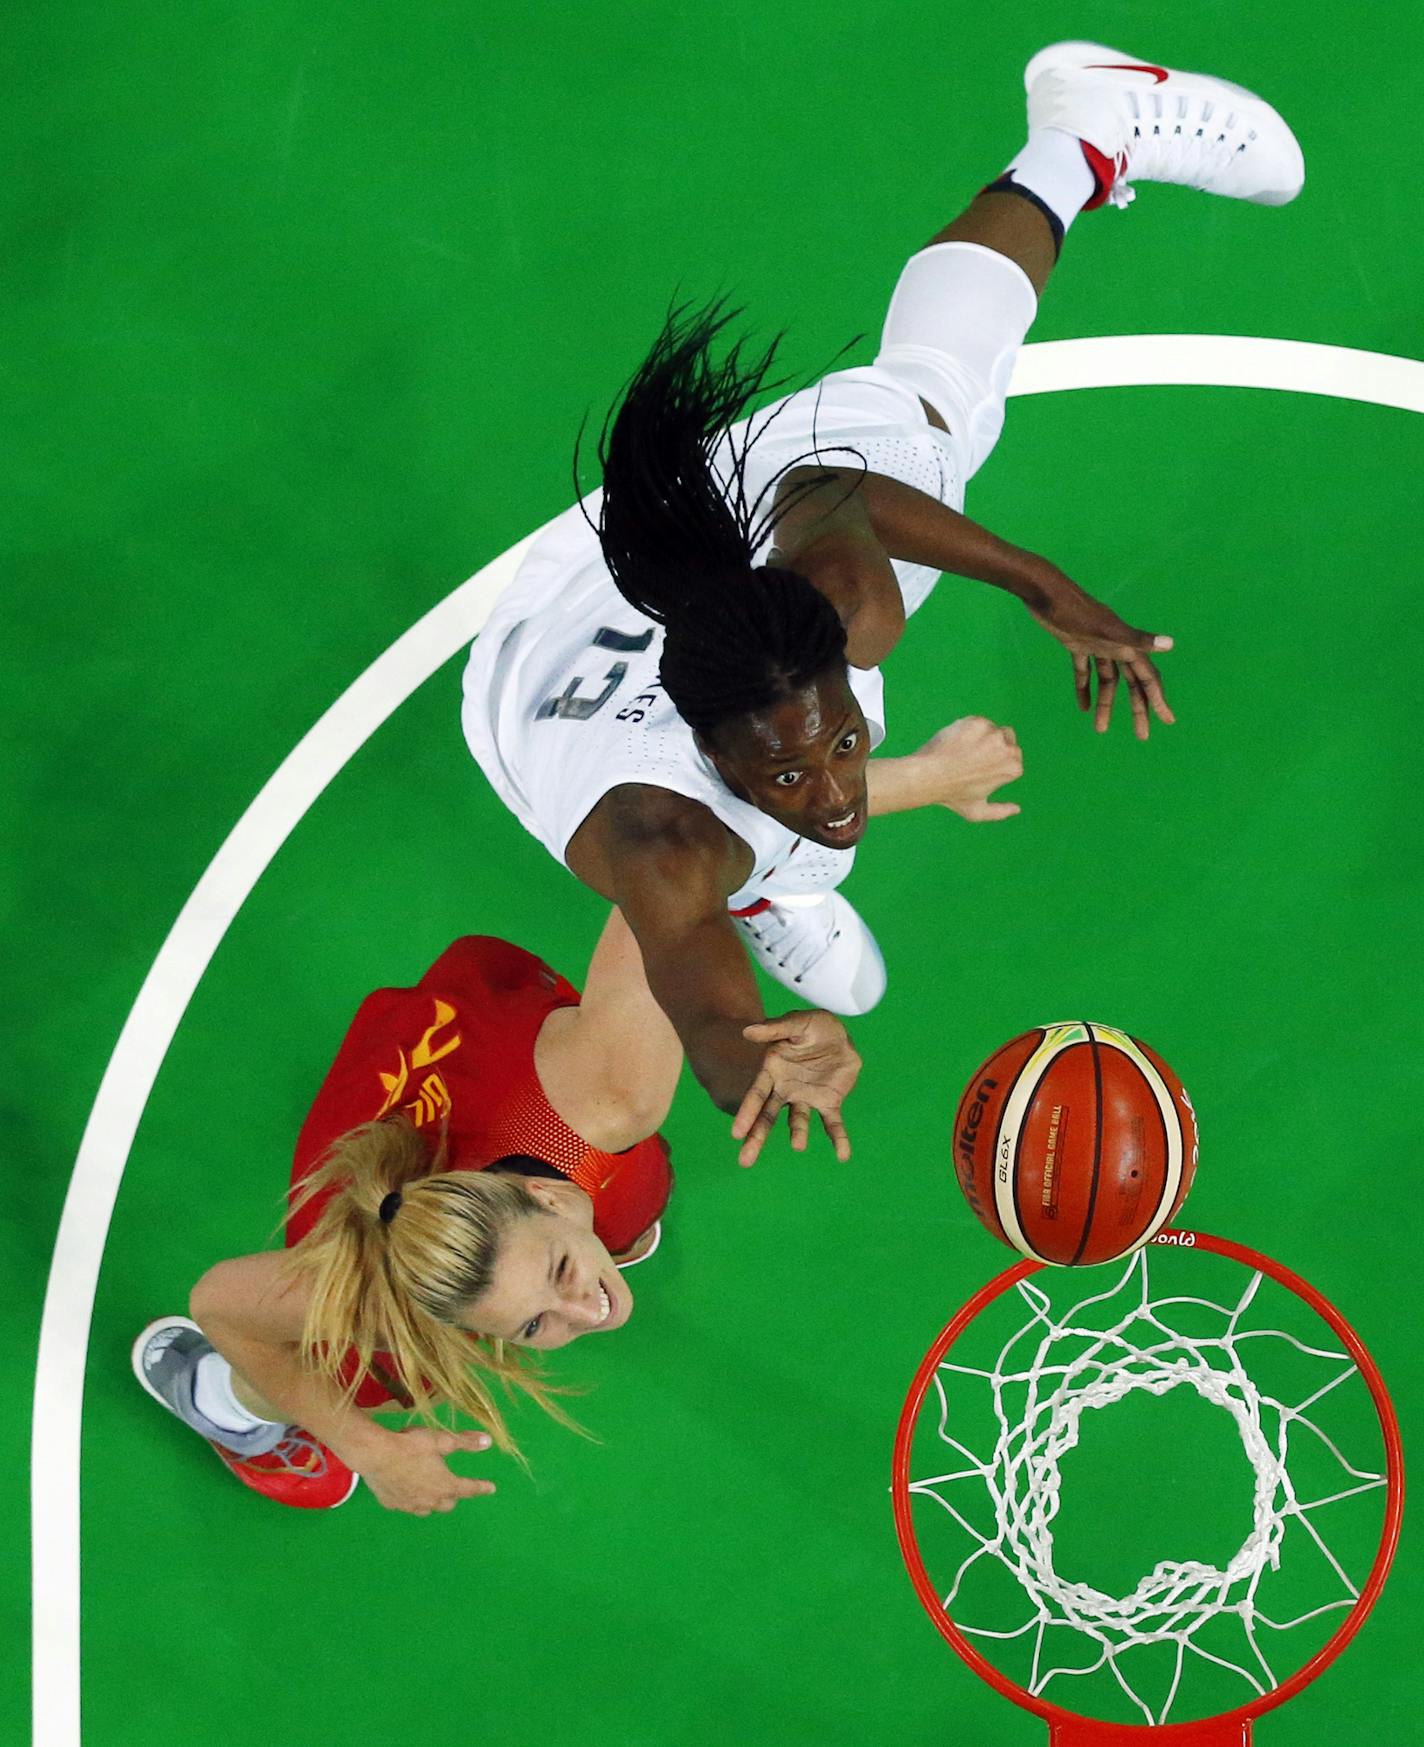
(670, 866)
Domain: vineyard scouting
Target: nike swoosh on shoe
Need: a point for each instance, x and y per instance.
(1159, 74)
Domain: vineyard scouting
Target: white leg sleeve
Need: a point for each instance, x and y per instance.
(956, 322)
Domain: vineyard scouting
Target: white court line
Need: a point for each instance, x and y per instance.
(1221, 361)
(1136, 360)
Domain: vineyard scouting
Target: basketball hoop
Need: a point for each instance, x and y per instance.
(1086, 1347)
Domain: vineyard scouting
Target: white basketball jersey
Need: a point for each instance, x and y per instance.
(562, 697)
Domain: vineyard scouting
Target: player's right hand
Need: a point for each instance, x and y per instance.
(411, 1474)
(810, 1064)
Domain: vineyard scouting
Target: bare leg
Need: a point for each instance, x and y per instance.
(610, 1066)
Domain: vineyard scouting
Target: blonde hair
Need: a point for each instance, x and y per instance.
(398, 1285)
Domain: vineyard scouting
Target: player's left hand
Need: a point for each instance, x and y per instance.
(966, 763)
(1103, 644)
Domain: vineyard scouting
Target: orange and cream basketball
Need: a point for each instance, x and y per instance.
(1075, 1144)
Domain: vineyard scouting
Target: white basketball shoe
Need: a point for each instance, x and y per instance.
(1143, 123)
(820, 949)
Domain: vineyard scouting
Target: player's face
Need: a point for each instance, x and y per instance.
(553, 1279)
(802, 762)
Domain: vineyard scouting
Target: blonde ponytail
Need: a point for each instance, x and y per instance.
(396, 1285)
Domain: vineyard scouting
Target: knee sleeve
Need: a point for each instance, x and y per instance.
(957, 319)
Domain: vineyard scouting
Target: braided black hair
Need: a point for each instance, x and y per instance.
(678, 541)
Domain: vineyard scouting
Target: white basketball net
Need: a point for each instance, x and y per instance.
(1047, 1375)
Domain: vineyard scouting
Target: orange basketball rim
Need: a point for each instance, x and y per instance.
(1069, 1728)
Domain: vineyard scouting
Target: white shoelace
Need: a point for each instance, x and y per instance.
(793, 940)
(1176, 141)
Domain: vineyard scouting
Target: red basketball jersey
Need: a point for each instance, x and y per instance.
(458, 1049)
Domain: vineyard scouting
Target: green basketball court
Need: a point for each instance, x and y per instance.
(303, 310)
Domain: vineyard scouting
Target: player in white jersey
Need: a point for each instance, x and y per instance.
(679, 692)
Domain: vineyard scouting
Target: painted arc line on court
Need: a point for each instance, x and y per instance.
(123, 1093)
(1135, 360)
(1221, 361)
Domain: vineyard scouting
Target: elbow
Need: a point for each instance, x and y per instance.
(873, 632)
(201, 1298)
(624, 1120)
(210, 1302)
(204, 1298)
(716, 1084)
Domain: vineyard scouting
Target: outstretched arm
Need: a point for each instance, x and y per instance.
(920, 530)
(610, 1065)
(842, 529)
(669, 864)
(959, 768)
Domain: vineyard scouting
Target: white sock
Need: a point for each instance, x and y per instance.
(214, 1399)
(1053, 167)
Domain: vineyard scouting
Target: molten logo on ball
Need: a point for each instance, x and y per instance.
(968, 1126)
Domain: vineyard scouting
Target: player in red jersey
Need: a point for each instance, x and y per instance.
(479, 1165)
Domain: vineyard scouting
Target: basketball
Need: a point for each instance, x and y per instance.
(1075, 1144)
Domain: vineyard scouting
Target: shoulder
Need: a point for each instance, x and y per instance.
(814, 502)
(639, 813)
(479, 967)
(660, 827)
(641, 819)
(824, 530)
(642, 840)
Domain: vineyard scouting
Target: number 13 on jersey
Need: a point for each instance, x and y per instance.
(568, 704)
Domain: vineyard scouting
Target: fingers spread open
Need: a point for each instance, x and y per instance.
(1137, 696)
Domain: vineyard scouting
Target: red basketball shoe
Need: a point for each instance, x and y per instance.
(301, 1471)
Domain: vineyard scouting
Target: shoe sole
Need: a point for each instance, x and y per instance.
(1075, 55)
(136, 1357)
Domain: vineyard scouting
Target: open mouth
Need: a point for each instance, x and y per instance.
(605, 1303)
(846, 828)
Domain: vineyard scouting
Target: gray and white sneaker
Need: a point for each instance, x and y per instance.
(282, 1462)
(820, 949)
(165, 1361)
